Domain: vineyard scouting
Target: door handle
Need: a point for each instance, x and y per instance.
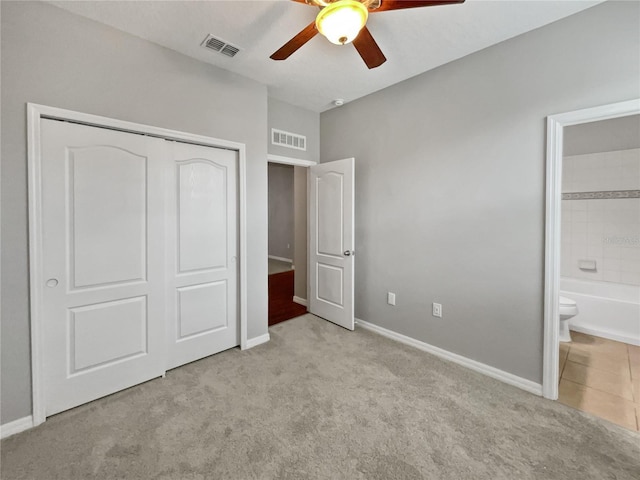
(52, 282)
(348, 253)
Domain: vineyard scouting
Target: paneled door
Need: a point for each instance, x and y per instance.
(201, 253)
(331, 240)
(103, 261)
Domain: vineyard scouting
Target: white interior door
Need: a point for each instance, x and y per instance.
(202, 253)
(331, 241)
(103, 261)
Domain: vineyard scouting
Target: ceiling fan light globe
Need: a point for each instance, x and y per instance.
(341, 21)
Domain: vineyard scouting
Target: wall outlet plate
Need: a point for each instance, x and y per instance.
(437, 310)
(391, 298)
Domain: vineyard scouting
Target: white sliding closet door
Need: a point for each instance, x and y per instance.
(202, 253)
(139, 258)
(103, 261)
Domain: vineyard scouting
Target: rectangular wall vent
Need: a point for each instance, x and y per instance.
(288, 139)
(220, 46)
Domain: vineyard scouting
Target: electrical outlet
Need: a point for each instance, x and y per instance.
(437, 310)
(391, 298)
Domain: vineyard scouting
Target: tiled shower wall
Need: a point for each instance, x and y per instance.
(604, 230)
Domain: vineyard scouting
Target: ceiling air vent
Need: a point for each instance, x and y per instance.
(288, 139)
(220, 46)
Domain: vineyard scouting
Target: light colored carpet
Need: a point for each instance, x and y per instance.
(319, 402)
(278, 266)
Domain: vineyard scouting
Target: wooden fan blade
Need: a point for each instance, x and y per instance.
(400, 4)
(296, 42)
(369, 49)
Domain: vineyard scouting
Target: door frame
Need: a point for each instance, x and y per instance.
(555, 132)
(35, 113)
(297, 162)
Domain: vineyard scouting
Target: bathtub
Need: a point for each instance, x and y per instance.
(609, 310)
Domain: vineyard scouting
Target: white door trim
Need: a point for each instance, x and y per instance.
(290, 161)
(35, 113)
(555, 127)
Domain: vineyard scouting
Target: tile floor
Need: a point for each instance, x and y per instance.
(601, 377)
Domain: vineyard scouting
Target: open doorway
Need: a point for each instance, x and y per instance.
(592, 341)
(287, 185)
(321, 257)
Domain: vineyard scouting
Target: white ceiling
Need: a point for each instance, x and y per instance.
(413, 40)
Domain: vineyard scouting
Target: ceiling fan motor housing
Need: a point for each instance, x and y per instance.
(370, 4)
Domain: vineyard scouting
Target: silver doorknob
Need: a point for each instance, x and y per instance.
(348, 253)
(52, 282)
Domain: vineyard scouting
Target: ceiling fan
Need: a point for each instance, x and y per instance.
(344, 21)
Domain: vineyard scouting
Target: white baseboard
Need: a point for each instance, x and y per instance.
(254, 342)
(300, 301)
(599, 332)
(282, 259)
(487, 370)
(17, 426)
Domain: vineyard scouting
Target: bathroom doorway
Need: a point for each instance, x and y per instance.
(592, 284)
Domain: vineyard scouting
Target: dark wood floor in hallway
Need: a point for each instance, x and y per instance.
(281, 304)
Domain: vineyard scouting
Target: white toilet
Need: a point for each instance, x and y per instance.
(568, 309)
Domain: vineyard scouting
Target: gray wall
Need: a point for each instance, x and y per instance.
(603, 136)
(450, 182)
(290, 118)
(300, 259)
(52, 57)
(281, 240)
